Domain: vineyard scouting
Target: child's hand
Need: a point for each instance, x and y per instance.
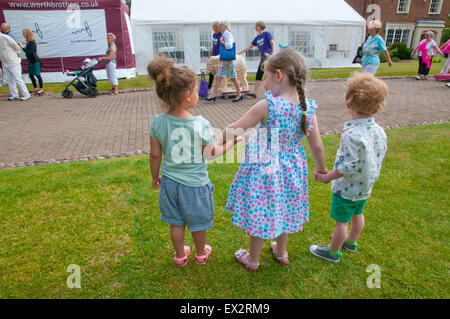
(240, 139)
(156, 182)
(320, 177)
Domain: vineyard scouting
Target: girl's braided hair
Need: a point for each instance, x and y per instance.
(291, 63)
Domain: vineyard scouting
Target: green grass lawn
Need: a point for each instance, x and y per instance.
(142, 81)
(104, 217)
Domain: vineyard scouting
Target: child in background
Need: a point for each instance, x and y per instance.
(269, 193)
(186, 193)
(358, 164)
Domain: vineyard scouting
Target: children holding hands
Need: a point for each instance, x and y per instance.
(358, 163)
(269, 195)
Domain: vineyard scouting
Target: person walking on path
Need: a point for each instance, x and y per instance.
(445, 48)
(110, 61)
(12, 70)
(266, 46)
(215, 49)
(372, 47)
(34, 62)
(227, 69)
(426, 49)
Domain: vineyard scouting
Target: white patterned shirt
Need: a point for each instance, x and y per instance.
(359, 158)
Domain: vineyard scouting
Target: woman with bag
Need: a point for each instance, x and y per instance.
(227, 68)
(371, 49)
(34, 62)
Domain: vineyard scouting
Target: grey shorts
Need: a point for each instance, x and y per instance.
(182, 205)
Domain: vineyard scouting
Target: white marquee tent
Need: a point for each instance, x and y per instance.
(327, 32)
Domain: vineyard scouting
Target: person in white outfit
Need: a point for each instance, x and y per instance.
(110, 61)
(12, 70)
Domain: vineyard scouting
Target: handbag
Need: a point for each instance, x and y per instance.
(203, 87)
(359, 54)
(227, 55)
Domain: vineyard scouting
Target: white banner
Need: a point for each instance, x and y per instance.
(60, 33)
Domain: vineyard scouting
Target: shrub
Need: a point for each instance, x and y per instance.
(437, 60)
(382, 58)
(396, 45)
(396, 59)
(410, 51)
(445, 35)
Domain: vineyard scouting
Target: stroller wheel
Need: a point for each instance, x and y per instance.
(67, 94)
(92, 93)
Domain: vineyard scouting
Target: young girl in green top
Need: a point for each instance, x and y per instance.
(184, 141)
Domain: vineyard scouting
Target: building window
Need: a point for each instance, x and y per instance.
(166, 43)
(403, 6)
(435, 7)
(205, 45)
(301, 41)
(397, 35)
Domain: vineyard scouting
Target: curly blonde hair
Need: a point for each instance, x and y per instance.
(365, 93)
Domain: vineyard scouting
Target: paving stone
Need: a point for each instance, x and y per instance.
(53, 129)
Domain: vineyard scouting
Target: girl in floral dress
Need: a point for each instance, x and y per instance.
(269, 194)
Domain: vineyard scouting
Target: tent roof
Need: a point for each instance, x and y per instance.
(314, 12)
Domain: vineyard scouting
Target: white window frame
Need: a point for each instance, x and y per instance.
(207, 43)
(406, 7)
(439, 7)
(395, 29)
(301, 39)
(168, 42)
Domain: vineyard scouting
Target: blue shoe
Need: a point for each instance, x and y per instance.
(350, 247)
(324, 253)
(213, 99)
(239, 99)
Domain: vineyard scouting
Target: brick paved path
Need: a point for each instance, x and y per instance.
(52, 128)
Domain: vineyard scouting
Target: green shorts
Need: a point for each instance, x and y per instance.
(342, 210)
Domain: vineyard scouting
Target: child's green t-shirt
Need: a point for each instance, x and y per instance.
(182, 140)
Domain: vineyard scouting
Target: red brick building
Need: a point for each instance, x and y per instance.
(406, 20)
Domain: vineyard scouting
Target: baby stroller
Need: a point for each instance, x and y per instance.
(84, 81)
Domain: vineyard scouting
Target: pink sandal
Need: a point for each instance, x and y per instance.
(181, 262)
(243, 257)
(282, 260)
(201, 260)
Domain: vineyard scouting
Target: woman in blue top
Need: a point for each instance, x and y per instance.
(266, 46)
(227, 69)
(372, 47)
(215, 49)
